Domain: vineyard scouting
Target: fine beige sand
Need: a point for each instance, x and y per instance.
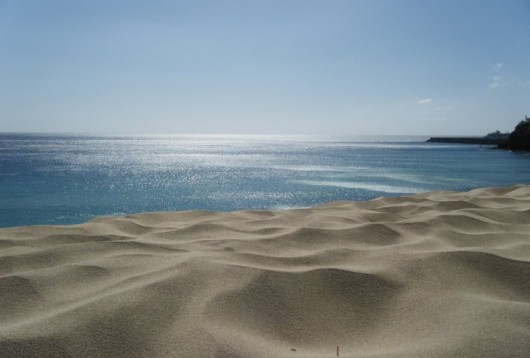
(440, 274)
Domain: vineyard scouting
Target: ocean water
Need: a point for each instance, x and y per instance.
(58, 179)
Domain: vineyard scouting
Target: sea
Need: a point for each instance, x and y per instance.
(68, 179)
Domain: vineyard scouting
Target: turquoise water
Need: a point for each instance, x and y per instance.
(47, 179)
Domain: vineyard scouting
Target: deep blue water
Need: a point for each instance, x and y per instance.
(46, 179)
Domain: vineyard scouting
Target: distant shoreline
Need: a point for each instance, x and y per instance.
(468, 140)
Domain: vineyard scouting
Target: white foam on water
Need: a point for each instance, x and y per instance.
(319, 168)
(365, 186)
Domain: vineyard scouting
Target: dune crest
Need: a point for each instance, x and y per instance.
(440, 274)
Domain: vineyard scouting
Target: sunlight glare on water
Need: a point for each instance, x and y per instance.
(47, 179)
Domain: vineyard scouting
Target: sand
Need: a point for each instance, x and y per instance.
(442, 274)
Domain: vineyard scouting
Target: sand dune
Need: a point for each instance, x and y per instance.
(440, 274)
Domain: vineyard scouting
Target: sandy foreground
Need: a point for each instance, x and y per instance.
(440, 274)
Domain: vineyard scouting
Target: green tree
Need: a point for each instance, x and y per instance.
(519, 139)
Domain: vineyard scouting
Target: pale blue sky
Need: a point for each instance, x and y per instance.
(264, 67)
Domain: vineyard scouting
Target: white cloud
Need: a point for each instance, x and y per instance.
(449, 107)
(494, 85)
(496, 79)
(425, 101)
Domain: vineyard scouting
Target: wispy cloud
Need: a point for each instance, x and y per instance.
(496, 79)
(425, 101)
(446, 108)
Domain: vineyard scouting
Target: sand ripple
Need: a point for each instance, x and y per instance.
(440, 274)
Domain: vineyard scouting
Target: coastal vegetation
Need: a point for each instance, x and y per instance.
(497, 135)
(519, 139)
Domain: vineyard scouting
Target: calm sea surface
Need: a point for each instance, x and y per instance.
(47, 179)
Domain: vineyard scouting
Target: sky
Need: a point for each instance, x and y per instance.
(356, 67)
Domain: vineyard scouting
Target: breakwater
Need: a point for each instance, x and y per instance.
(468, 140)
